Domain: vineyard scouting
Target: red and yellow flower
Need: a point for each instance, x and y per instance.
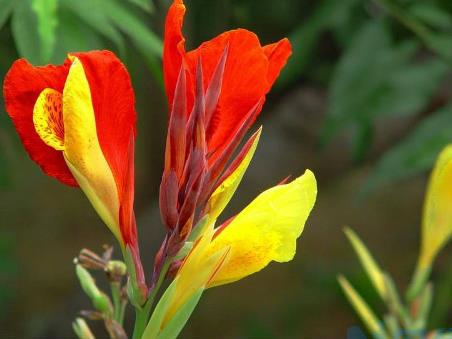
(215, 93)
(77, 122)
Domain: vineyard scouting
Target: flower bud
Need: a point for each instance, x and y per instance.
(82, 330)
(99, 299)
(116, 268)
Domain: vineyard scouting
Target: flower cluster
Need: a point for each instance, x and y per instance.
(77, 122)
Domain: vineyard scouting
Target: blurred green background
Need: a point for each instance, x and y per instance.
(365, 102)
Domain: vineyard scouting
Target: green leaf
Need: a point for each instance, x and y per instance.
(363, 310)
(414, 154)
(372, 269)
(147, 42)
(91, 12)
(431, 15)
(146, 5)
(412, 86)
(304, 38)
(375, 79)
(155, 323)
(26, 38)
(178, 321)
(73, 35)
(7, 7)
(46, 12)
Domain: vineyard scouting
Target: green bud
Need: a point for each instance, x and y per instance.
(116, 267)
(99, 299)
(81, 329)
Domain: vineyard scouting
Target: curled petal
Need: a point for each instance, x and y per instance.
(173, 49)
(82, 150)
(277, 54)
(266, 230)
(22, 87)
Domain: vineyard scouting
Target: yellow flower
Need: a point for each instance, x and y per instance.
(266, 230)
(437, 217)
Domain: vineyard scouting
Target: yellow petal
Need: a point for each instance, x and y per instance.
(437, 217)
(266, 230)
(82, 151)
(48, 119)
(197, 270)
(223, 194)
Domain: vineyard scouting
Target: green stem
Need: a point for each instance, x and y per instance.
(141, 319)
(117, 304)
(122, 311)
(420, 279)
(143, 314)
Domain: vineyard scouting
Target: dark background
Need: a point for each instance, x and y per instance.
(365, 102)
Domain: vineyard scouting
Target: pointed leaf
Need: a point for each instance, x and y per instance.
(177, 323)
(90, 12)
(415, 153)
(155, 323)
(367, 316)
(145, 5)
(367, 261)
(46, 13)
(26, 38)
(7, 8)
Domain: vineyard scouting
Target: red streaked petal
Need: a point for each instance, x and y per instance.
(173, 48)
(175, 144)
(22, 86)
(168, 199)
(277, 55)
(238, 159)
(114, 107)
(244, 79)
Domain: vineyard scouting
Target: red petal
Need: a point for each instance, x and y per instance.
(21, 88)
(173, 49)
(244, 80)
(114, 107)
(277, 55)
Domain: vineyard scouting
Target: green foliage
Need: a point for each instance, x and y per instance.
(45, 31)
(415, 153)
(46, 13)
(375, 79)
(8, 270)
(402, 318)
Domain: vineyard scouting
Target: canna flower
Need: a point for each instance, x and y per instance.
(77, 122)
(265, 231)
(436, 218)
(215, 93)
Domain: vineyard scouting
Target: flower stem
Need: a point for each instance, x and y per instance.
(142, 315)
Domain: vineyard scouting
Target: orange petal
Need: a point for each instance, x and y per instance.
(22, 86)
